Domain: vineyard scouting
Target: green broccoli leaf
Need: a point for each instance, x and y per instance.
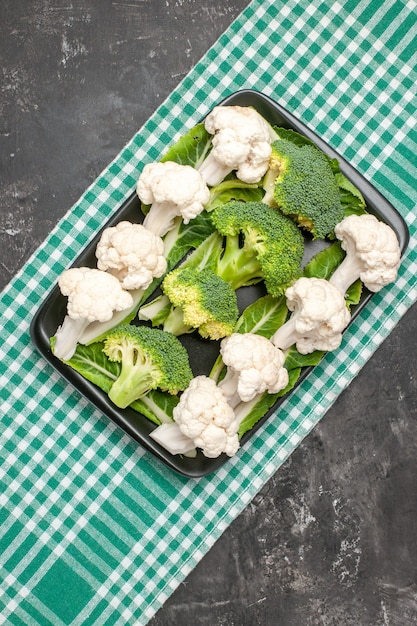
(157, 406)
(218, 370)
(295, 360)
(301, 140)
(188, 237)
(263, 316)
(324, 263)
(351, 198)
(91, 362)
(255, 410)
(179, 241)
(291, 135)
(206, 254)
(233, 189)
(354, 293)
(191, 148)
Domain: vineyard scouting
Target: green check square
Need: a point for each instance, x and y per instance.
(63, 591)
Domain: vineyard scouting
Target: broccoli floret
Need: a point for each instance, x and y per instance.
(300, 181)
(200, 300)
(150, 359)
(260, 243)
(252, 243)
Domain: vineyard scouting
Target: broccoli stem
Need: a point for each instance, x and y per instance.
(238, 265)
(134, 381)
(174, 322)
(156, 311)
(269, 186)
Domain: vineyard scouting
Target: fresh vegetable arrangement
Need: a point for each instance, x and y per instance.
(229, 206)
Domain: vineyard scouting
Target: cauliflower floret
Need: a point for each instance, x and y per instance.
(241, 142)
(132, 253)
(204, 416)
(172, 190)
(319, 315)
(93, 295)
(372, 253)
(254, 365)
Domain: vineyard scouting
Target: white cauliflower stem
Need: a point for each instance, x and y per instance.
(319, 315)
(204, 416)
(173, 439)
(172, 190)
(254, 365)
(372, 253)
(241, 142)
(132, 253)
(93, 295)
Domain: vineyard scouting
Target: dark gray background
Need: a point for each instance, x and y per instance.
(331, 539)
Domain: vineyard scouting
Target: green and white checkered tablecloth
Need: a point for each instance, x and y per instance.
(94, 530)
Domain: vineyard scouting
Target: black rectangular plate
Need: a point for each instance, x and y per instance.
(202, 352)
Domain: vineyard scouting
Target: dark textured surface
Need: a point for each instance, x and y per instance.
(331, 539)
